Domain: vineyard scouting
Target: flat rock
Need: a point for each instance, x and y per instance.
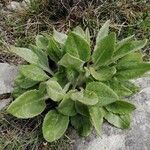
(4, 103)
(7, 76)
(135, 138)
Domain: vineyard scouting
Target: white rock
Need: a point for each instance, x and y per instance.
(4, 103)
(7, 75)
(13, 6)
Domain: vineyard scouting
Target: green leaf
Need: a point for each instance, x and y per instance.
(131, 86)
(87, 35)
(24, 82)
(42, 88)
(72, 75)
(28, 105)
(66, 87)
(104, 50)
(26, 54)
(54, 90)
(119, 121)
(54, 125)
(42, 56)
(120, 107)
(103, 32)
(105, 94)
(54, 50)
(59, 37)
(33, 72)
(123, 42)
(103, 74)
(82, 124)
(134, 57)
(77, 47)
(67, 106)
(71, 62)
(82, 108)
(41, 42)
(127, 48)
(17, 91)
(87, 98)
(96, 117)
(132, 70)
(119, 88)
(79, 31)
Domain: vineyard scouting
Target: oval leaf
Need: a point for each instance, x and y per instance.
(119, 121)
(105, 94)
(24, 82)
(71, 62)
(87, 98)
(104, 50)
(67, 106)
(132, 70)
(33, 72)
(59, 37)
(54, 125)
(41, 41)
(120, 107)
(82, 108)
(103, 74)
(96, 117)
(28, 105)
(54, 90)
(77, 47)
(82, 124)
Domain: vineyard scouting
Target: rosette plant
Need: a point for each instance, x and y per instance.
(75, 83)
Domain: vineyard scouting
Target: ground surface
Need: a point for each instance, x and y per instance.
(20, 26)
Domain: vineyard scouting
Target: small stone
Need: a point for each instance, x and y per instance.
(7, 76)
(14, 6)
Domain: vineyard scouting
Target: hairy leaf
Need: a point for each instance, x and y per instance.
(87, 98)
(119, 88)
(96, 117)
(82, 108)
(123, 42)
(77, 47)
(132, 70)
(24, 82)
(119, 121)
(59, 37)
(54, 50)
(71, 62)
(28, 105)
(54, 125)
(103, 32)
(67, 106)
(127, 48)
(82, 124)
(33, 72)
(120, 107)
(26, 54)
(54, 90)
(104, 50)
(43, 59)
(103, 74)
(105, 94)
(41, 41)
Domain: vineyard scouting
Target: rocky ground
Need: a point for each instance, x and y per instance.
(20, 21)
(135, 138)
